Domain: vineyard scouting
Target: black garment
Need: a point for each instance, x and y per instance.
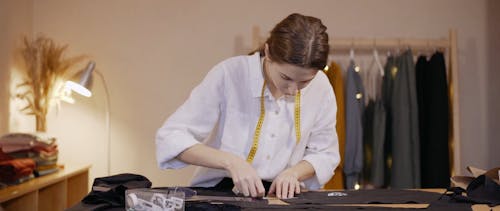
(421, 71)
(482, 190)
(368, 123)
(379, 129)
(448, 203)
(227, 185)
(109, 192)
(434, 114)
(390, 70)
(380, 196)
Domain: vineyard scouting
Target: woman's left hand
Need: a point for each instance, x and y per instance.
(286, 184)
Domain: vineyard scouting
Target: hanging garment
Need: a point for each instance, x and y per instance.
(421, 69)
(379, 136)
(390, 70)
(435, 163)
(368, 123)
(373, 126)
(353, 163)
(405, 169)
(378, 130)
(334, 74)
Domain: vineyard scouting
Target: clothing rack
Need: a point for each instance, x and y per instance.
(447, 44)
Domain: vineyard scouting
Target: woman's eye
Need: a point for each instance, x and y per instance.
(285, 77)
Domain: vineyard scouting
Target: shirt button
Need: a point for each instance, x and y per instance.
(273, 135)
(268, 157)
(276, 112)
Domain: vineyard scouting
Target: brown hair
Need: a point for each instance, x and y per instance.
(299, 40)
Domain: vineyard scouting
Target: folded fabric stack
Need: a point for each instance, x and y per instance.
(24, 156)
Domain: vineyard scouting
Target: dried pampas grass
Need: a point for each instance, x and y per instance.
(45, 68)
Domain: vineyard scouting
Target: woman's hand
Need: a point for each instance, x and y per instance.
(285, 185)
(245, 178)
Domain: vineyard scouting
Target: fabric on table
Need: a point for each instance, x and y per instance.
(111, 190)
(378, 196)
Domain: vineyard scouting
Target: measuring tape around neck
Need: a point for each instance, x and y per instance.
(258, 128)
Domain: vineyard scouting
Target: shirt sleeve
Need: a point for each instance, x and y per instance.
(192, 122)
(322, 150)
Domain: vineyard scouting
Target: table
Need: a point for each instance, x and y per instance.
(56, 191)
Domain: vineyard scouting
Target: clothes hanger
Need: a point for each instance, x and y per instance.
(377, 58)
(398, 48)
(351, 52)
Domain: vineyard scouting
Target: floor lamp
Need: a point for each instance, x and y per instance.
(83, 87)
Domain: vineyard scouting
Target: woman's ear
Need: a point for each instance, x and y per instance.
(266, 51)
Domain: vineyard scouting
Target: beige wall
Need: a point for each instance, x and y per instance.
(493, 72)
(152, 53)
(16, 19)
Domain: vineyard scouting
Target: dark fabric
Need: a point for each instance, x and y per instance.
(382, 196)
(315, 201)
(208, 206)
(481, 190)
(484, 190)
(434, 151)
(368, 118)
(379, 127)
(354, 106)
(447, 203)
(230, 206)
(227, 185)
(405, 166)
(390, 70)
(421, 69)
(422, 79)
(111, 190)
(94, 207)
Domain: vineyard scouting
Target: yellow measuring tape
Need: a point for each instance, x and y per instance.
(258, 128)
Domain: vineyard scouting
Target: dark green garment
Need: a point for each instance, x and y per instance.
(378, 160)
(405, 169)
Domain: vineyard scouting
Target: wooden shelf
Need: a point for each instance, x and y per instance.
(55, 191)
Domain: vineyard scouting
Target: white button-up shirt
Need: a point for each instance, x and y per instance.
(227, 104)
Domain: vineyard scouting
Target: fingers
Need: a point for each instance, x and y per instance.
(246, 180)
(272, 189)
(297, 187)
(260, 189)
(256, 188)
(244, 189)
(278, 188)
(250, 187)
(285, 188)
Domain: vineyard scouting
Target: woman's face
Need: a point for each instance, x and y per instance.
(289, 79)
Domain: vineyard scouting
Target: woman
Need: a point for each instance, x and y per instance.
(270, 117)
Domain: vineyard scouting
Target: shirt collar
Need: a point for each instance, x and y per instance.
(256, 75)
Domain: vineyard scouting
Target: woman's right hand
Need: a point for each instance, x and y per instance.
(245, 177)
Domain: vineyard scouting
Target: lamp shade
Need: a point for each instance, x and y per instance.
(84, 79)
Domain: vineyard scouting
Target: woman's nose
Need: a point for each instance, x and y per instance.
(293, 88)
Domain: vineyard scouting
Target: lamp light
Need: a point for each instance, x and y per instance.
(84, 87)
(85, 81)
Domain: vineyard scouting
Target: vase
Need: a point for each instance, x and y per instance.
(41, 123)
